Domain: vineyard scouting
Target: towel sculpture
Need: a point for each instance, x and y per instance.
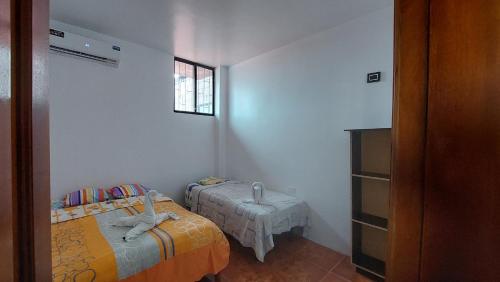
(258, 189)
(144, 221)
(258, 192)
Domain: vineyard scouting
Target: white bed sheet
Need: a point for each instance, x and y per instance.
(253, 225)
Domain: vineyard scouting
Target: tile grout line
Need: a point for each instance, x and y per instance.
(337, 264)
(340, 275)
(331, 270)
(287, 251)
(336, 275)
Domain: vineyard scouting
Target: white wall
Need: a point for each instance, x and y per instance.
(111, 126)
(288, 110)
(221, 114)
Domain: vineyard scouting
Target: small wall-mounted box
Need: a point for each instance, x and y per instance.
(373, 77)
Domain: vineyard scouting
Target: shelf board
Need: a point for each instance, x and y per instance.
(369, 274)
(372, 175)
(368, 129)
(370, 220)
(369, 263)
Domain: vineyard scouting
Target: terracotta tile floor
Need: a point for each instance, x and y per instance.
(293, 259)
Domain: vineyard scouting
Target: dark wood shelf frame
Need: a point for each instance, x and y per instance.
(370, 220)
(369, 263)
(370, 168)
(372, 175)
(368, 129)
(362, 260)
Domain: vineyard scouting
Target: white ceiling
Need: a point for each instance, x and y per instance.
(211, 31)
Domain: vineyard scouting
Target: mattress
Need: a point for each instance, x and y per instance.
(88, 248)
(230, 206)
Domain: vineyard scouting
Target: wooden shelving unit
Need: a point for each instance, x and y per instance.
(370, 175)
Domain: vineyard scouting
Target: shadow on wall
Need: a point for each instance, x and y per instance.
(295, 181)
(317, 220)
(252, 171)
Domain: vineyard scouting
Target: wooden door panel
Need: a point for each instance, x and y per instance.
(462, 192)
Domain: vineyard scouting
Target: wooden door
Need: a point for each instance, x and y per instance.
(461, 227)
(445, 191)
(24, 141)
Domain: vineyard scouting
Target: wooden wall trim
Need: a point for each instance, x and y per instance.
(6, 157)
(31, 122)
(41, 140)
(411, 41)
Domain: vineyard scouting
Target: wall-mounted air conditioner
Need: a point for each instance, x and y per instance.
(66, 43)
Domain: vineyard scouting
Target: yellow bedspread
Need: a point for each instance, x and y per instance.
(90, 249)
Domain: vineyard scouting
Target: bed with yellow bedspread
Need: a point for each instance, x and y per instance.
(88, 248)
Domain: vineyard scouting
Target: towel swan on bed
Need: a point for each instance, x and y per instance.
(258, 194)
(144, 221)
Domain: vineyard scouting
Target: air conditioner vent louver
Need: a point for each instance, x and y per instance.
(85, 48)
(83, 55)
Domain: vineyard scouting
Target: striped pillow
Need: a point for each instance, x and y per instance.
(128, 190)
(86, 195)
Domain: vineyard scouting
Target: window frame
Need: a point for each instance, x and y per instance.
(195, 66)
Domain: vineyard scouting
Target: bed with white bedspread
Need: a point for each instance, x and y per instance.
(230, 206)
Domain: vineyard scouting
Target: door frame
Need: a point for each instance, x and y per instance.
(411, 50)
(25, 157)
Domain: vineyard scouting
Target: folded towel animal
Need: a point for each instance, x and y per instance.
(258, 192)
(144, 221)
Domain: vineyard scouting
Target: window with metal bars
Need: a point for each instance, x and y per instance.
(194, 88)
